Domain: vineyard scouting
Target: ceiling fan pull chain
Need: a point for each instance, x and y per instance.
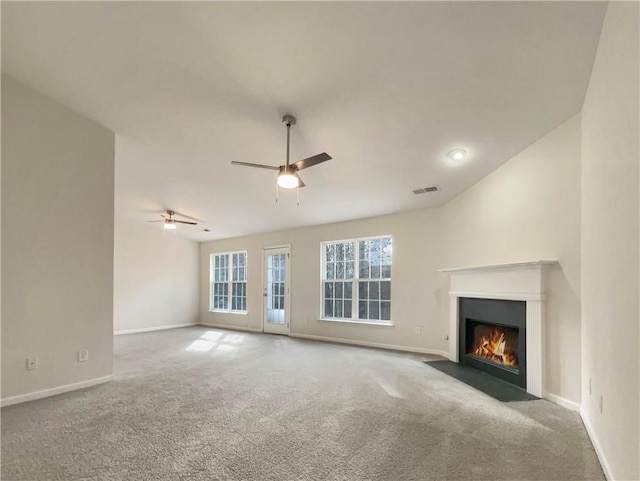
(298, 195)
(277, 191)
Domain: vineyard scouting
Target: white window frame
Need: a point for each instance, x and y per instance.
(229, 281)
(355, 292)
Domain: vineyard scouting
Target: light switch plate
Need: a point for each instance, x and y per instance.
(83, 355)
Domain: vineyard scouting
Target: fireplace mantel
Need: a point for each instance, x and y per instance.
(519, 281)
(512, 265)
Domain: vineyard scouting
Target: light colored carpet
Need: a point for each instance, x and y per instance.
(209, 404)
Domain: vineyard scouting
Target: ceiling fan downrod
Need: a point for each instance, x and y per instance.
(289, 121)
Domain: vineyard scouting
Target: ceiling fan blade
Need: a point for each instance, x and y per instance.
(300, 183)
(249, 164)
(184, 222)
(311, 161)
(155, 221)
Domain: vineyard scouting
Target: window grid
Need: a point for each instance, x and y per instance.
(339, 261)
(359, 290)
(276, 279)
(229, 282)
(275, 275)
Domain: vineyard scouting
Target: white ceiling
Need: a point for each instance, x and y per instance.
(387, 89)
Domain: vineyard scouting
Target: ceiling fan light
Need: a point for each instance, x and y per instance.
(287, 180)
(169, 225)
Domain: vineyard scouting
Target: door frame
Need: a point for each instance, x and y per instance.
(287, 295)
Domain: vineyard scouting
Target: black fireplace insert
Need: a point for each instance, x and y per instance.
(492, 337)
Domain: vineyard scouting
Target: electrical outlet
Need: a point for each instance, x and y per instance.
(601, 402)
(418, 330)
(32, 363)
(83, 355)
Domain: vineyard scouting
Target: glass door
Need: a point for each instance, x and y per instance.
(276, 290)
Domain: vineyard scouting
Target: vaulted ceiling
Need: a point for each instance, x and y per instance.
(386, 88)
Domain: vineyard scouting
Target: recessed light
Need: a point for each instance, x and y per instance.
(457, 154)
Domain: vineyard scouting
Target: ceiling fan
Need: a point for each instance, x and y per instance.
(288, 177)
(170, 222)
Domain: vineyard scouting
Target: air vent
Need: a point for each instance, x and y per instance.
(424, 190)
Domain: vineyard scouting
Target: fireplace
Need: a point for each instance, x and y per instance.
(493, 337)
(523, 282)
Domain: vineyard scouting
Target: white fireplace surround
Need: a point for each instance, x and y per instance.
(522, 281)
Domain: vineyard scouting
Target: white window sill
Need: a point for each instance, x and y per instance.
(222, 311)
(351, 321)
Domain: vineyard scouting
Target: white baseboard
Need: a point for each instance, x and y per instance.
(156, 328)
(421, 350)
(565, 403)
(231, 327)
(596, 446)
(32, 396)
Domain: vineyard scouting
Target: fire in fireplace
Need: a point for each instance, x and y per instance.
(492, 343)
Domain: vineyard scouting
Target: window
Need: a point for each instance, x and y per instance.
(356, 279)
(229, 282)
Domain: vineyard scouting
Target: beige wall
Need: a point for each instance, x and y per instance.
(155, 277)
(57, 243)
(529, 209)
(610, 244)
(414, 289)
